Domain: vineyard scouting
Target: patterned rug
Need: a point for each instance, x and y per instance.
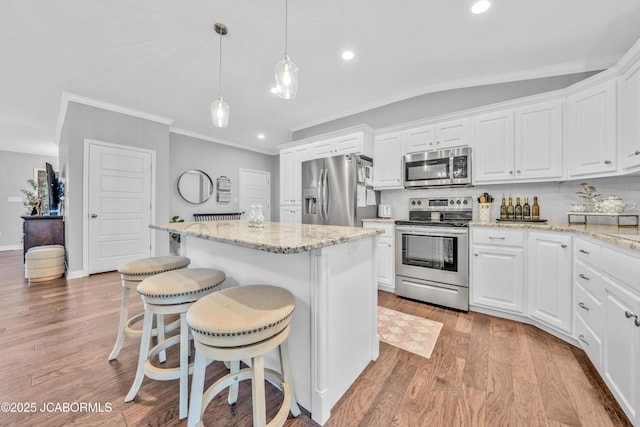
(408, 332)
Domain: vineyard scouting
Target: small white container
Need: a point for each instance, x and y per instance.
(484, 212)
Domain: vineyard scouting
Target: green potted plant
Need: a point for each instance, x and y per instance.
(34, 197)
(174, 242)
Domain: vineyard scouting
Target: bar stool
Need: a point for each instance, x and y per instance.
(240, 323)
(172, 292)
(131, 274)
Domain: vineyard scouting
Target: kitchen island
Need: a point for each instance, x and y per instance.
(331, 271)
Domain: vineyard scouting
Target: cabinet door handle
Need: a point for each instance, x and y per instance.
(637, 322)
(510, 172)
(581, 304)
(496, 238)
(637, 153)
(475, 254)
(582, 276)
(517, 171)
(607, 162)
(563, 246)
(629, 314)
(581, 338)
(582, 251)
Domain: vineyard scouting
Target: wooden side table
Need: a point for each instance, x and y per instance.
(39, 230)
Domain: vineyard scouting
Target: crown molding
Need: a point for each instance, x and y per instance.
(195, 135)
(68, 97)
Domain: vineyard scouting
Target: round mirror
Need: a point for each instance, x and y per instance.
(195, 186)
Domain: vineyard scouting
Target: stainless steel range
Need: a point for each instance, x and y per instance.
(432, 251)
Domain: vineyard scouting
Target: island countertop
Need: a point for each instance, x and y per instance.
(273, 237)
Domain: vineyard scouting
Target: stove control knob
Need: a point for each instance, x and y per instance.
(450, 202)
(413, 202)
(464, 202)
(458, 202)
(419, 202)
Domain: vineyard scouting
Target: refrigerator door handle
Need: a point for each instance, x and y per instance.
(321, 194)
(325, 195)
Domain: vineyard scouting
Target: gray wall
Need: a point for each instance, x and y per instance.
(86, 122)
(216, 160)
(15, 170)
(444, 102)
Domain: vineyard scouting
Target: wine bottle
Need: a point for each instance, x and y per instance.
(518, 209)
(526, 209)
(510, 211)
(535, 209)
(503, 209)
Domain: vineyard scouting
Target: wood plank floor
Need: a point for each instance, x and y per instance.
(55, 338)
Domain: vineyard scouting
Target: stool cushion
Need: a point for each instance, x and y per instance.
(45, 252)
(44, 263)
(242, 315)
(188, 282)
(153, 265)
(37, 273)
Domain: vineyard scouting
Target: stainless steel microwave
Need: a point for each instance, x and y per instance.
(440, 168)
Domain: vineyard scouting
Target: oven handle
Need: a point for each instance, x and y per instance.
(430, 231)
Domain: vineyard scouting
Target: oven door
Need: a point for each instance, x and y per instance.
(436, 254)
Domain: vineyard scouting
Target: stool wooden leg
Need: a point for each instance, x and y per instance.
(285, 368)
(184, 364)
(142, 357)
(257, 391)
(162, 357)
(233, 389)
(124, 314)
(197, 389)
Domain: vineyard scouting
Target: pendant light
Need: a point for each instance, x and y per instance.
(286, 71)
(219, 108)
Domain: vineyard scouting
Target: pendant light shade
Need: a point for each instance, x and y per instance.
(286, 71)
(219, 108)
(220, 113)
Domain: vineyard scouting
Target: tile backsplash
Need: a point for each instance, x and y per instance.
(554, 198)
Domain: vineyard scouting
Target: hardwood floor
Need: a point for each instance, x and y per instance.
(484, 371)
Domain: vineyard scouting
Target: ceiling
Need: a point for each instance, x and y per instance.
(161, 57)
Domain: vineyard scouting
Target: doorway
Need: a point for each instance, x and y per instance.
(118, 195)
(255, 189)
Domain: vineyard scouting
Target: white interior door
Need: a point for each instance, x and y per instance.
(255, 189)
(119, 206)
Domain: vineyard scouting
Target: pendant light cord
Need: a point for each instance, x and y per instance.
(220, 70)
(286, 24)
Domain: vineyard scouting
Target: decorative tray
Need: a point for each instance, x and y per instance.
(520, 220)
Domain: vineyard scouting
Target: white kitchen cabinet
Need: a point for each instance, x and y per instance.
(385, 255)
(524, 143)
(591, 131)
(387, 161)
(348, 144)
(549, 279)
(497, 278)
(449, 134)
(291, 214)
(630, 118)
(291, 174)
(621, 347)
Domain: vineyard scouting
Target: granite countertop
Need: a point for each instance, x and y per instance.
(273, 237)
(382, 220)
(626, 237)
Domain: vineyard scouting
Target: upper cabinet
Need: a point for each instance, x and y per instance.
(522, 143)
(441, 135)
(630, 118)
(387, 161)
(591, 131)
(291, 174)
(355, 143)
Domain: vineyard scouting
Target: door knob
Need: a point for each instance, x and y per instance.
(94, 215)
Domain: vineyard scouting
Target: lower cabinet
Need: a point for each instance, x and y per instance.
(291, 214)
(549, 279)
(621, 347)
(497, 278)
(385, 255)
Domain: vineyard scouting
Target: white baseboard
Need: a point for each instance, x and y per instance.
(10, 247)
(76, 274)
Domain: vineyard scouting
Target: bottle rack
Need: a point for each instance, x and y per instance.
(617, 216)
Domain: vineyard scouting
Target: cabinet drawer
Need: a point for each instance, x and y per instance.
(589, 309)
(589, 280)
(589, 342)
(499, 237)
(622, 266)
(588, 252)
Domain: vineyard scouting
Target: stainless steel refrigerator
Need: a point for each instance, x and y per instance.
(338, 190)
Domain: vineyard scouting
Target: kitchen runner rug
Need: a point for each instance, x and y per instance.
(408, 332)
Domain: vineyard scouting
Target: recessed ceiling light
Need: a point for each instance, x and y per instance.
(480, 6)
(261, 136)
(274, 90)
(347, 55)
